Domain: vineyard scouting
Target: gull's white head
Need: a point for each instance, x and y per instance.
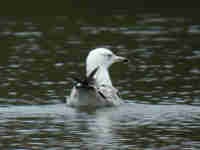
(102, 58)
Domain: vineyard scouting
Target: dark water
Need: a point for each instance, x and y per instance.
(161, 84)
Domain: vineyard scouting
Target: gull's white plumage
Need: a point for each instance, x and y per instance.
(102, 92)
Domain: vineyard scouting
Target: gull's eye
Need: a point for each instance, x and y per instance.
(109, 55)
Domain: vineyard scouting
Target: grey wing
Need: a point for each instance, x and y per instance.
(109, 94)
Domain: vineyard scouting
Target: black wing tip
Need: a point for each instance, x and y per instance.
(102, 95)
(87, 82)
(91, 75)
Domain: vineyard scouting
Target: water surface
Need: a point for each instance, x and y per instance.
(160, 85)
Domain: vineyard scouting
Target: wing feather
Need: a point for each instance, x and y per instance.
(109, 94)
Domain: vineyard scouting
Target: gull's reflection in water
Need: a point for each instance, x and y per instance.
(102, 129)
(90, 129)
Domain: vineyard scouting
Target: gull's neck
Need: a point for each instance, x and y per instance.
(103, 77)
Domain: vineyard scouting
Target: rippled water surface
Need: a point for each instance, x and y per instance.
(161, 88)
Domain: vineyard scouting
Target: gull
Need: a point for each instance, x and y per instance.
(96, 90)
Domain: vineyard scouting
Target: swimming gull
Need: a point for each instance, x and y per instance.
(96, 89)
